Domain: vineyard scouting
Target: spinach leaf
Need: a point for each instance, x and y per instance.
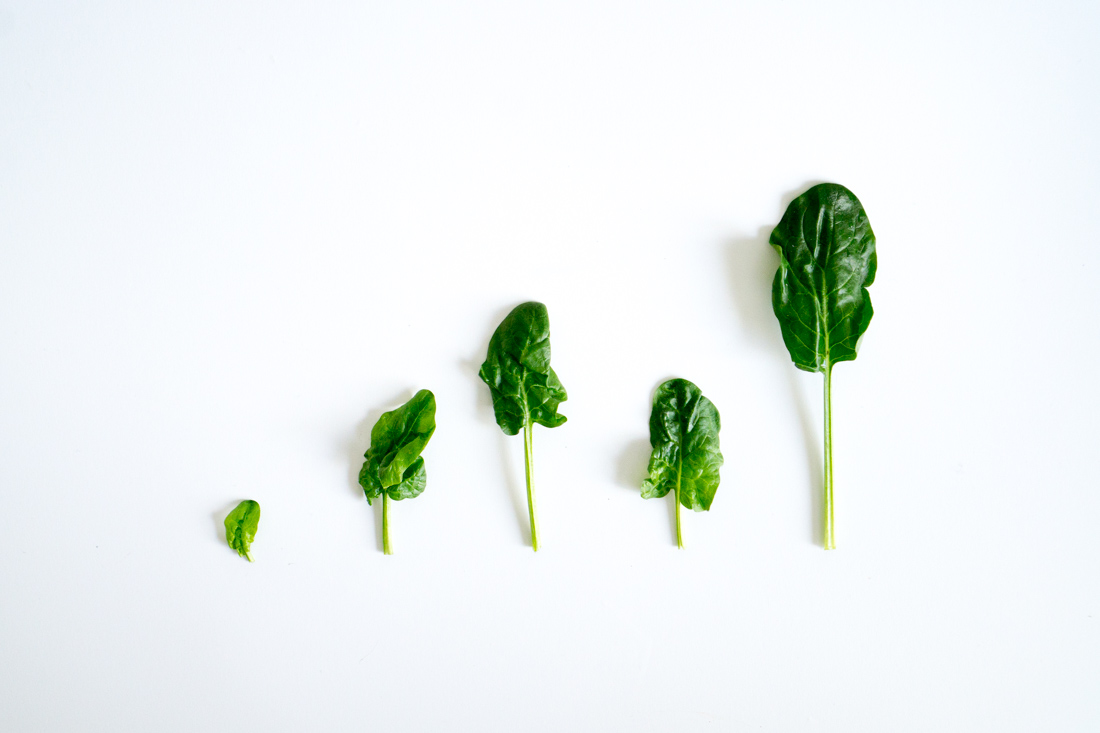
(393, 468)
(683, 430)
(525, 388)
(827, 261)
(241, 526)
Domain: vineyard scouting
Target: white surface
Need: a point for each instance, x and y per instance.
(232, 234)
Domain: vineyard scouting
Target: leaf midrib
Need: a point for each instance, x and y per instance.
(402, 440)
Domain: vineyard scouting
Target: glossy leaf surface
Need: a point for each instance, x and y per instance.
(393, 464)
(241, 526)
(411, 486)
(683, 430)
(517, 370)
(827, 261)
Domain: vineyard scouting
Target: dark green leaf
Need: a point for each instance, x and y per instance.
(683, 430)
(517, 370)
(827, 261)
(241, 526)
(393, 464)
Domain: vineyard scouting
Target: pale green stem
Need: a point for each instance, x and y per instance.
(827, 508)
(679, 475)
(528, 460)
(386, 524)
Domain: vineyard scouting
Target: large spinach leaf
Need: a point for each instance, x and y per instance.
(525, 388)
(683, 430)
(393, 468)
(826, 263)
(517, 370)
(241, 526)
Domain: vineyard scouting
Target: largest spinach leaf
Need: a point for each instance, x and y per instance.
(683, 430)
(525, 388)
(826, 263)
(393, 468)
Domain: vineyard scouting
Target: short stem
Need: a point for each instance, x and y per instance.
(386, 524)
(827, 508)
(528, 460)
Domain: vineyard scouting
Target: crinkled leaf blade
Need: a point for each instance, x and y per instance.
(368, 479)
(399, 437)
(412, 483)
(518, 373)
(683, 430)
(241, 526)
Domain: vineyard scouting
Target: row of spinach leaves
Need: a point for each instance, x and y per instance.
(819, 295)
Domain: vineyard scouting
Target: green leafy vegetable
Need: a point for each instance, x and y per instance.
(241, 526)
(393, 468)
(683, 430)
(525, 388)
(826, 263)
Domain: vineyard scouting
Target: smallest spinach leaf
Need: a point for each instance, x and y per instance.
(683, 430)
(241, 526)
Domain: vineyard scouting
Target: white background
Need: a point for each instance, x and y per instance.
(232, 234)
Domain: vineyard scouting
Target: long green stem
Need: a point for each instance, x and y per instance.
(830, 530)
(676, 498)
(528, 460)
(386, 524)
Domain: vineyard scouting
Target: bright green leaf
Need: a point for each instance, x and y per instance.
(241, 526)
(393, 468)
(398, 438)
